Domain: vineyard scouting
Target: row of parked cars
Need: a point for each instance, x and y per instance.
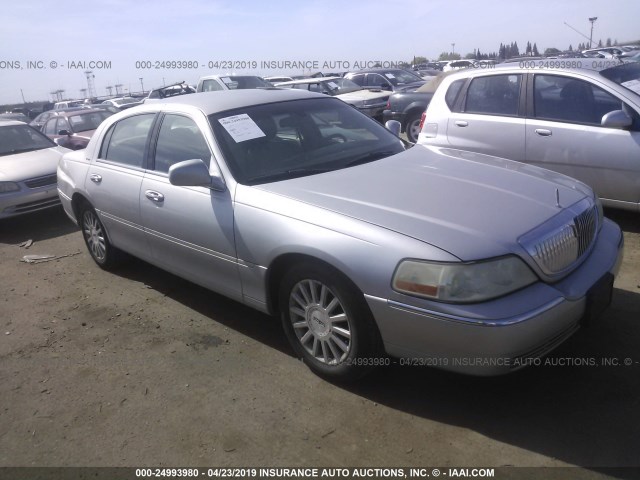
(294, 203)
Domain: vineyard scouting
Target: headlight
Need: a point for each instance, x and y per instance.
(462, 282)
(6, 187)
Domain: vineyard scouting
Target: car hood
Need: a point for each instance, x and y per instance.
(363, 95)
(471, 205)
(409, 87)
(38, 163)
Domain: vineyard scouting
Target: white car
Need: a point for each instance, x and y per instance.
(212, 83)
(368, 101)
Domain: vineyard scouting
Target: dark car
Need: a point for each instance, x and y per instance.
(73, 129)
(173, 90)
(396, 80)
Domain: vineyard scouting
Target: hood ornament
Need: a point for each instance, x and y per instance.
(558, 198)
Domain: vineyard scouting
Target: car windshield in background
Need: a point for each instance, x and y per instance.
(338, 86)
(627, 75)
(88, 121)
(277, 141)
(401, 77)
(21, 138)
(239, 82)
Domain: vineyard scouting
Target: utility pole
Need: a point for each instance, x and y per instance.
(592, 20)
(22, 93)
(142, 84)
(453, 48)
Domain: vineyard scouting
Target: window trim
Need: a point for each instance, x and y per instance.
(106, 139)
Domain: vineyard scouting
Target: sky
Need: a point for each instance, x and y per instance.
(47, 46)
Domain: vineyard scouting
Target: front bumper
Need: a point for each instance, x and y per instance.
(484, 341)
(373, 111)
(27, 200)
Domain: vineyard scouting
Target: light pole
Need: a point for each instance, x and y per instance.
(592, 20)
(453, 48)
(142, 84)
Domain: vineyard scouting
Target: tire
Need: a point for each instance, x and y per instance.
(328, 323)
(412, 127)
(96, 240)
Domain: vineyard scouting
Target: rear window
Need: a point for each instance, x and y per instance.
(452, 93)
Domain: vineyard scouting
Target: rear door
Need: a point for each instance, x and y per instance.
(114, 179)
(489, 117)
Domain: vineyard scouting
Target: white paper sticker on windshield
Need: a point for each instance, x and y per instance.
(241, 127)
(633, 85)
(226, 80)
(389, 75)
(333, 84)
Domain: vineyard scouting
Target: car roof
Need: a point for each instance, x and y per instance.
(8, 123)
(310, 80)
(223, 100)
(378, 70)
(80, 111)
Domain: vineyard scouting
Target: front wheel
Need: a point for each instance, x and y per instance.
(328, 323)
(413, 128)
(95, 237)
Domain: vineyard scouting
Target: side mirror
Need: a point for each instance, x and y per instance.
(394, 127)
(64, 132)
(616, 119)
(194, 173)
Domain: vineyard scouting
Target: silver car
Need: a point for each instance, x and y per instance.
(28, 162)
(582, 121)
(298, 205)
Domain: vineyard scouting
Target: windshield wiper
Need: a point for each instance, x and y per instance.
(293, 173)
(370, 157)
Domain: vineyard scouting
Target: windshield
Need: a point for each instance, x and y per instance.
(267, 143)
(88, 121)
(22, 138)
(239, 82)
(627, 75)
(336, 86)
(400, 77)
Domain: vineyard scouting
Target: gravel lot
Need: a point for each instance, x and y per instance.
(141, 368)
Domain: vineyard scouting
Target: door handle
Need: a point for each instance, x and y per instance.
(154, 196)
(461, 123)
(95, 178)
(543, 132)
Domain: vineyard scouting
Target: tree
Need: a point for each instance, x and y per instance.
(600, 43)
(528, 50)
(609, 42)
(449, 56)
(535, 50)
(570, 48)
(551, 51)
(419, 60)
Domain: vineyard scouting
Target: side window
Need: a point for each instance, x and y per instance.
(179, 139)
(566, 99)
(210, 85)
(50, 127)
(317, 87)
(126, 140)
(452, 93)
(359, 79)
(377, 81)
(62, 125)
(494, 95)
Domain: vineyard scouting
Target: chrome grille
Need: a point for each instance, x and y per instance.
(564, 242)
(42, 181)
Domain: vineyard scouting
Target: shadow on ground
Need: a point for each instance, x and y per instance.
(38, 226)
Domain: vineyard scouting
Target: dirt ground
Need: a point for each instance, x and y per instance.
(141, 368)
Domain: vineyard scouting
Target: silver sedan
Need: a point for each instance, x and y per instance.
(300, 206)
(28, 162)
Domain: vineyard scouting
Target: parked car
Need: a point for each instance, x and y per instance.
(387, 79)
(41, 119)
(580, 122)
(18, 117)
(73, 129)
(168, 91)
(298, 205)
(123, 103)
(459, 64)
(68, 104)
(369, 102)
(212, 83)
(28, 163)
(274, 80)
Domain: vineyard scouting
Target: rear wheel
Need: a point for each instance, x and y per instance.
(413, 127)
(95, 237)
(327, 322)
